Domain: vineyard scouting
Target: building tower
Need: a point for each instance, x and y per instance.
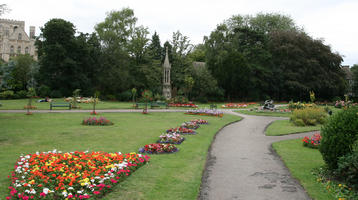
(166, 77)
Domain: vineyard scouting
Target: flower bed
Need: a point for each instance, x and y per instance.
(171, 138)
(200, 121)
(158, 148)
(182, 130)
(271, 110)
(93, 121)
(30, 107)
(313, 142)
(75, 175)
(188, 105)
(190, 125)
(205, 112)
(237, 105)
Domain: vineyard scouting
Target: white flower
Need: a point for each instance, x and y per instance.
(79, 192)
(64, 193)
(46, 190)
(70, 188)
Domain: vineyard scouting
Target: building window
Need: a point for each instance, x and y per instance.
(7, 32)
(19, 49)
(27, 50)
(19, 36)
(11, 49)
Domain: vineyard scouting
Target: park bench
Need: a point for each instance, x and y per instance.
(53, 104)
(137, 105)
(158, 104)
(213, 106)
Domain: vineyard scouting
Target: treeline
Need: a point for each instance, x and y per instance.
(247, 58)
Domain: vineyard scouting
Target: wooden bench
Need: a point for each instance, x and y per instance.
(60, 105)
(158, 104)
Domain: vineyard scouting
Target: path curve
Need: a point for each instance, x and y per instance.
(242, 164)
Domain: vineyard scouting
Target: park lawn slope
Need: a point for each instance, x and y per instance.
(175, 175)
(301, 161)
(285, 127)
(265, 113)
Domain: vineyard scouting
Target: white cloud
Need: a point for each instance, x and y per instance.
(333, 20)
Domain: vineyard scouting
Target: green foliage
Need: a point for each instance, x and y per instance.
(308, 116)
(56, 94)
(7, 94)
(44, 91)
(125, 96)
(348, 167)
(21, 94)
(338, 136)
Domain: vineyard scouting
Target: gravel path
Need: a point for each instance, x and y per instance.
(242, 164)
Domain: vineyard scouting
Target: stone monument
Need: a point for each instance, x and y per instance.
(166, 77)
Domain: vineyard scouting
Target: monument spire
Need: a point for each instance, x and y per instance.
(166, 77)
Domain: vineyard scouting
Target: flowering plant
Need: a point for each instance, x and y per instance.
(313, 142)
(182, 130)
(207, 112)
(74, 175)
(93, 113)
(200, 121)
(158, 148)
(190, 125)
(190, 105)
(102, 121)
(172, 138)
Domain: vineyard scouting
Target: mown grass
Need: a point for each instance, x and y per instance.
(301, 161)
(265, 113)
(169, 176)
(285, 127)
(18, 104)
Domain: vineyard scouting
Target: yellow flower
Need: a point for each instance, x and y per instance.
(340, 185)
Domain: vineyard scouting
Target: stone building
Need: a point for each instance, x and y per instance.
(349, 79)
(14, 40)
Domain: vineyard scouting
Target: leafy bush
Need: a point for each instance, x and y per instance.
(110, 97)
(21, 94)
(56, 94)
(44, 91)
(7, 94)
(348, 168)
(338, 135)
(125, 96)
(310, 116)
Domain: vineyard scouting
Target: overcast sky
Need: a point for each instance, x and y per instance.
(333, 20)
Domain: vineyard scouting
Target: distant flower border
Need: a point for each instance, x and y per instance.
(158, 148)
(93, 121)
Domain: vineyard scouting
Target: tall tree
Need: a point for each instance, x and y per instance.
(155, 48)
(354, 70)
(59, 67)
(115, 34)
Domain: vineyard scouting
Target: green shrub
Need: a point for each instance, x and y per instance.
(338, 135)
(348, 168)
(56, 94)
(299, 122)
(44, 91)
(310, 116)
(125, 96)
(7, 94)
(110, 97)
(21, 94)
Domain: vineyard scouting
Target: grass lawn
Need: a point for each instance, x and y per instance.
(300, 161)
(18, 104)
(168, 176)
(285, 127)
(266, 113)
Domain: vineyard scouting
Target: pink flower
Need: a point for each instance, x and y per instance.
(42, 194)
(96, 192)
